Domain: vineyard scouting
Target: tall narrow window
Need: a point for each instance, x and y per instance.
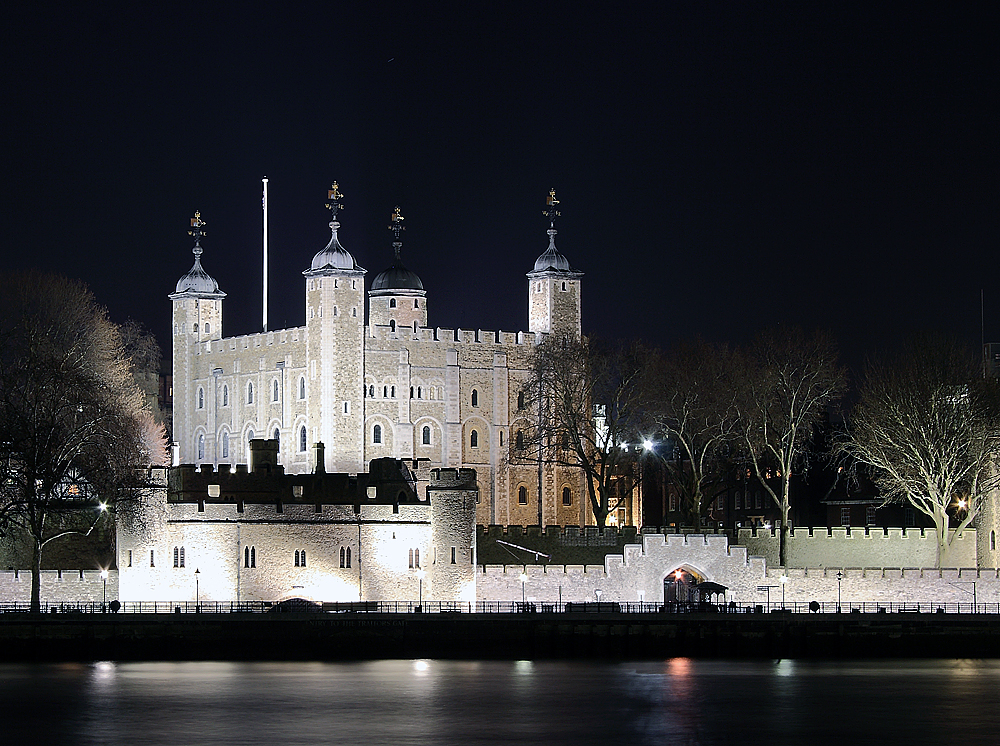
(414, 327)
(348, 556)
(342, 557)
(152, 558)
(411, 392)
(425, 436)
(201, 398)
(249, 393)
(501, 437)
(385, 392)
(520, 400)
(277, 435)
(420, 392)
(416, 303)
(475, 398)
(474, 439)
(371, 392)
(519, 440)
(182, 556)
(845, 516)
(201, 447)
(567, 496)
(392, 303)
(225, 396)
(522, 495)
(176, 557)
(993, 542)
(453, 555)
(225, 445)
(253, 556)
(246, 556)
(377, 434)
(302, 439)
(737, 503)
(302, 387)
(274, 396)
(392, 392)
(392, 325)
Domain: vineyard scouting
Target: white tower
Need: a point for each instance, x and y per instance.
(553, 287)
(335, 316)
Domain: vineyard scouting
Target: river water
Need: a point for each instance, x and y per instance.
(679, 701)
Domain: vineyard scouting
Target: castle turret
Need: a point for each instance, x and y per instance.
(453, 494)
(553, 287)
(397, 298)
(335, 309)
(197, 318)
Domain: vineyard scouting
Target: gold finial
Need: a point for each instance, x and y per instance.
(552, 213)
(334, 195)
(397, 223)
(552, 197)
(197, 224)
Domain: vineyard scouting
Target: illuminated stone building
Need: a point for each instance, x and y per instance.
(381, 384)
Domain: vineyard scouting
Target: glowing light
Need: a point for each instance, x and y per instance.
(104, 574)
(102, 506)
(961, 504)
(647, 444)
(421, 666)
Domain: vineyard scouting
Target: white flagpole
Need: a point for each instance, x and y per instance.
(264, 204)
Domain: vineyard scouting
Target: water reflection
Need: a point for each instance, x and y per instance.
(679, 701)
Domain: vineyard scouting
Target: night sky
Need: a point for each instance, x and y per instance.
(721, 167)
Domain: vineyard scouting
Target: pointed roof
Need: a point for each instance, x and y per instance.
(197, 282)
(334, 257)
(551, 260)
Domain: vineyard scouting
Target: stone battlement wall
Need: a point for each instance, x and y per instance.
(859, 547)
(453, 336)
(59, 586)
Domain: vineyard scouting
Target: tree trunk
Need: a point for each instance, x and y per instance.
(36, 578)
(783, 529)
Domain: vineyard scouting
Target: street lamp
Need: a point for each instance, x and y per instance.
(523, 579)
(784, 581)
(840, 577)
(104, 577)
(420, 590)
(197, 589)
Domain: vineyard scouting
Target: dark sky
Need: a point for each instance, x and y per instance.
(722, 167)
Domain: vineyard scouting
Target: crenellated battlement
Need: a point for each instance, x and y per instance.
(383, 333)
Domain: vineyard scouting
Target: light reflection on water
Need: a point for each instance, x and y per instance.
(679, 701)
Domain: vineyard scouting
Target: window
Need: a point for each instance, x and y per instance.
(250, 435)
(392, 325)
(392, 303)
(414, 558)
(475, 398)
(201, 398)
(249, 393)
(501, 437)
(348, 556)
(414, 327)
(300, 558)
(195, 328)
(674, 503)
(345, 556)
(411, 392)
(208, 328)
(416, 303)
(519, 440)
(425, 435)
(274, 395)
(474, 439)
(377, 434)
(302, 387)
(993, 545)
(371, 392)
(420, 392)
(453, 555)
(302, 439)
(520, 400)
(130, 558)
(178, 556)
(845, 516)
(565, 441)
(737, 501)
(392, 392)
(201, 446)
(567, 496)
(225, 445)
(564, 287)
(225, 396)
(385, 392)
(522, 495)
(909, 518)
(152, 558)
(246, 556)
(870, 515)
(756, 500)
(277, 435)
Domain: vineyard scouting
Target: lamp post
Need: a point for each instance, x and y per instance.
(197, 590)
(840, 577)
(104, 577)
(420, 590)
(784, 581)
(523, 578)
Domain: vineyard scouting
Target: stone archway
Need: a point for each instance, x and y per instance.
(679, 585)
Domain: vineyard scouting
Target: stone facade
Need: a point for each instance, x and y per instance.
(390, 386)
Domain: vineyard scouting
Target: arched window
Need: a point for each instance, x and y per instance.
(225, 396)
(522, 495)
(249, 393)
(277, 435)
(302, 439)
(475, 398)
(274, 396)
(201, 398)
(253, 556)
(300, 558)
(348, 556)
(392, 392)
(411, 392)
(195, 328)
(392, 303)
(342, 557)
(246, 556)
(385, 392)
(501, 437)
(302, 387)
(225, 445)
(474, 439)
(425, 436)
(520, 400)
(416, 303)
(392, 325)
(250, 435)
(208, 328)
(371, 392)
(414, 327)
(420, 392)
(377, 434)
(567, 496)
(414, 558)
(201, 447)
(519, 440)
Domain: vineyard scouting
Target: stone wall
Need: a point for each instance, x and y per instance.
(59, 586)
(858, 547)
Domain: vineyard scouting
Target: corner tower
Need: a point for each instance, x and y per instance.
(335, 310)
(397, 298)
(197, 317)
(553, 286)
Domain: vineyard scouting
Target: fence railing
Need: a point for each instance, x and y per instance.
(505, 607)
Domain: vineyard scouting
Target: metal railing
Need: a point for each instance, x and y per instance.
(506, 607)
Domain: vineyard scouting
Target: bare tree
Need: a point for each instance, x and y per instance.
(590, 405)
(929, 426)
(73, 430)
(789, 378)
(693, 395)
